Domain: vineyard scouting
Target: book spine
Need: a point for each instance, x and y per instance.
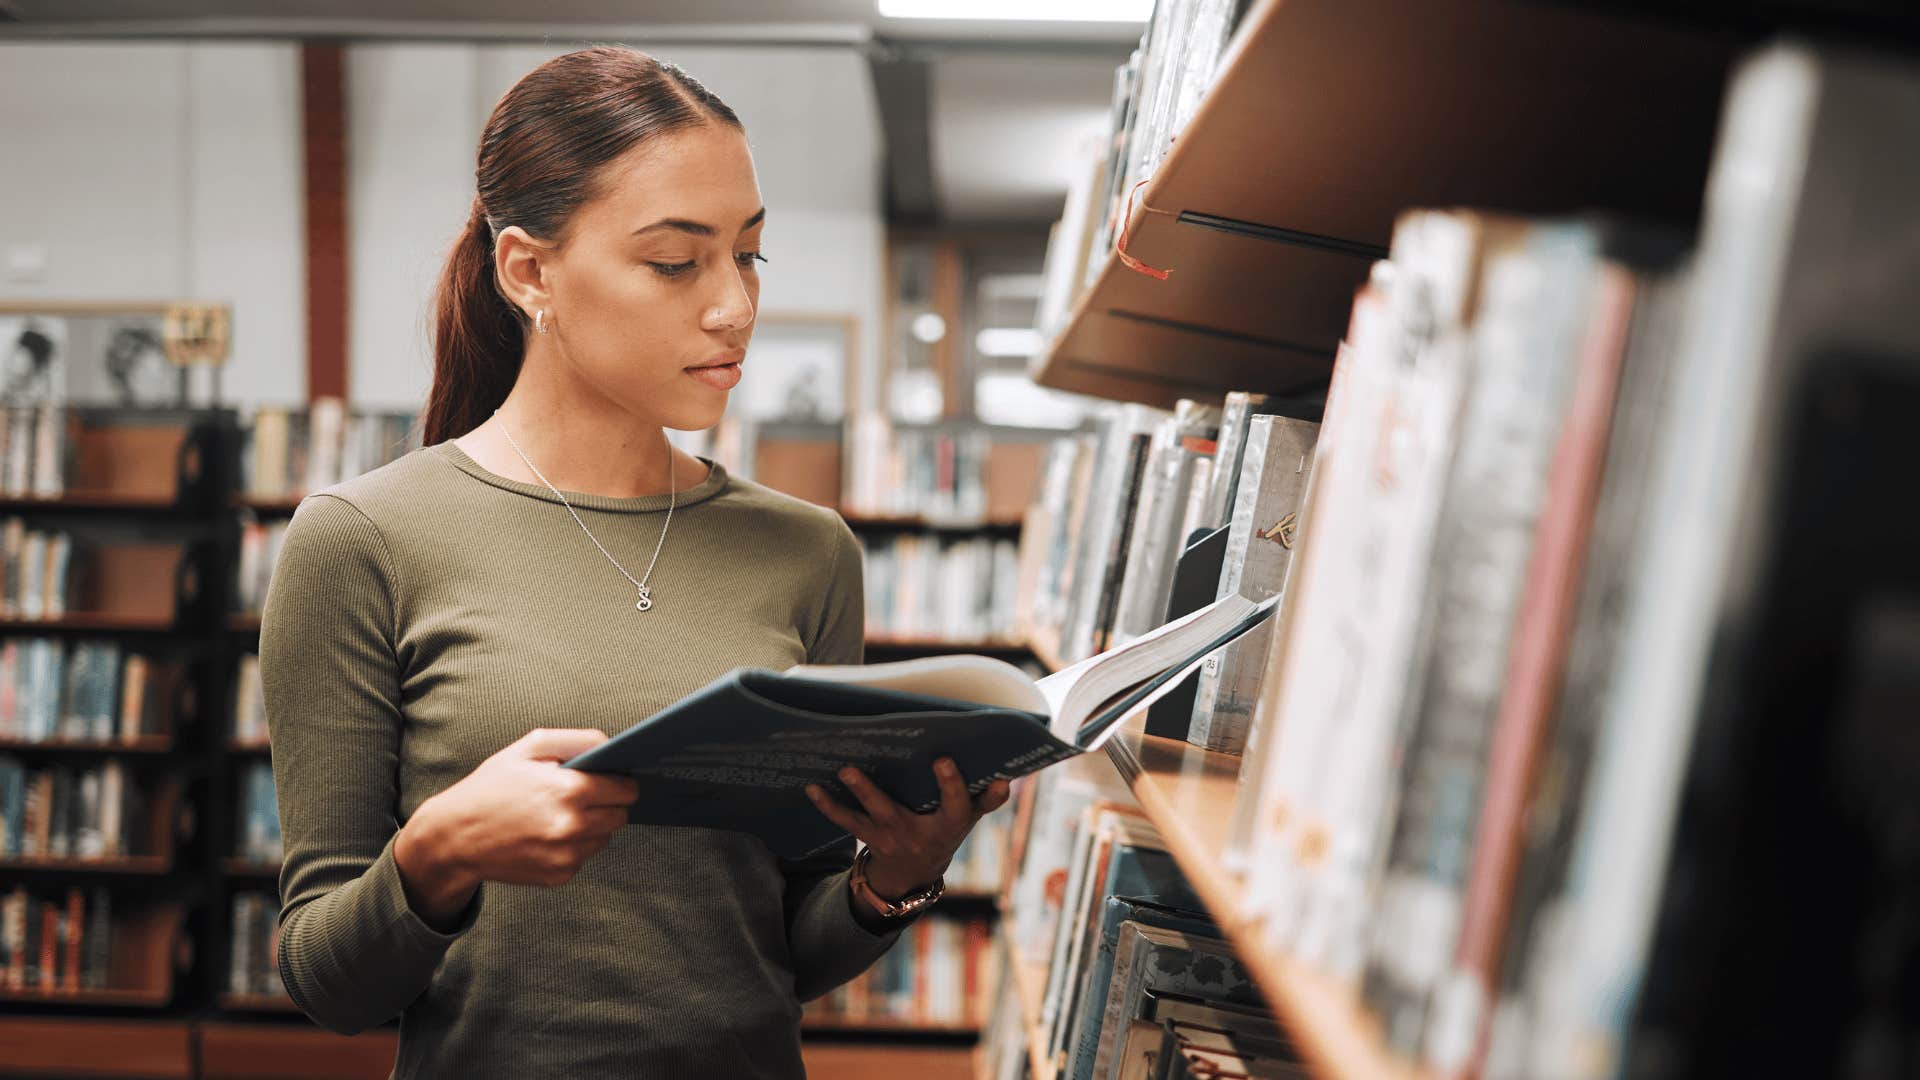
(1260, 544)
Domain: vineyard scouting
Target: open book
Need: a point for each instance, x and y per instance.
(738, 753)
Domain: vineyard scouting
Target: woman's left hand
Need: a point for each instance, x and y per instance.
(909, 850)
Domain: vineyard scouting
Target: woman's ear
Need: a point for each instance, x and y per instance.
(520, 265)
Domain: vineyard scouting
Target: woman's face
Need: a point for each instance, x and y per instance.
(657, 277)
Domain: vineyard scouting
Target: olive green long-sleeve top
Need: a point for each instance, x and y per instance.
(427, 614)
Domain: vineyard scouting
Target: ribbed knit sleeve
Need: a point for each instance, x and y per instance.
(353, 953)
(828, 946)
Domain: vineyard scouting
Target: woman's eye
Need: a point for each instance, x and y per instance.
(672, 269)
(746, 258)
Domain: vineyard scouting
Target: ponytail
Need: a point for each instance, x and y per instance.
(477, 338)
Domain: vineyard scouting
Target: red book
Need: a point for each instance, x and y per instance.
(76, 926)
(1537, 653)
(49, 945)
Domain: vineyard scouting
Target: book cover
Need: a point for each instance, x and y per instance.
(738, 753)
(1100, 1014)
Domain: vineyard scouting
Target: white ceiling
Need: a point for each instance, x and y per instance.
(1007, 102)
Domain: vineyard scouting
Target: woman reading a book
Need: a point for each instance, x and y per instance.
(443, 632)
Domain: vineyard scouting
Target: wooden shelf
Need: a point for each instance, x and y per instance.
(90, 622)
(41, 1046)
(1045, 647)
(893, 643)
(142, 744)
(244, 622)
(275, 1050)
(1188, 792)
(886, 523)
(891, 1025)
(142, 999)
(143, 865)
(91, 500)
(249, 746)
(273, 1003)
(1329, 118)
(235, 866)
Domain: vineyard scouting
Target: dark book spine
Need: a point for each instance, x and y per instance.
(1122, 537)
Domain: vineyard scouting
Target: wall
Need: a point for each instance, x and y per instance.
(161, 172)
(155, 171)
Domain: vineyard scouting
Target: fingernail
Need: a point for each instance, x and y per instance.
(847, 775)
(813, 792)
(946, 767)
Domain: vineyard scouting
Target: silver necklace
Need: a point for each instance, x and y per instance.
(645, 602)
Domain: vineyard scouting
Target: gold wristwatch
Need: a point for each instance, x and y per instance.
(892, 909)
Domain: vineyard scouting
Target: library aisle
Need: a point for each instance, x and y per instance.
(1408, 497)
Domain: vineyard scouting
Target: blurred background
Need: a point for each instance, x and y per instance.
(1572, 342)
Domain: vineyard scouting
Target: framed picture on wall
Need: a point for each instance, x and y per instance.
(87, 353)
(799, 368)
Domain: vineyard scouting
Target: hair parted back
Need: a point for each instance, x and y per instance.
(540, 158)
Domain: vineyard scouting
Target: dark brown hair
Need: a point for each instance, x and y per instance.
(539, 160)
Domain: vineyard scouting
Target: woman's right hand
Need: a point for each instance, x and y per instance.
(518, 818)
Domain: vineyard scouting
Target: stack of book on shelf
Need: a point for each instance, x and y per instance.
(1545, 688)
(55, 943)
(253, 957)
(257, 815)
(60, 812)
(259, 550)
(1124, 950)
(933, 473)
(1157, 514)
(290, 452)
(938, 974)
(33, 451)
(934, 587)
(980, 861)
(1155, 93)
(36, 571)
(82, 691)
(249, 703)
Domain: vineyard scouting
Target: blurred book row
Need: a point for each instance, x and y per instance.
(253, 959)
(257, 815)
(60, 812)
(37, 565)
(33, 450)
(936, 474)
(930, 586)
(1156, 514)
(288, 453)
(938, 973)
(1155, 93)
(1120, 947)
(84, 691)
(55, 942)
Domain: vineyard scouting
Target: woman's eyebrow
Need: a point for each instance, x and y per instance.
(698, 228)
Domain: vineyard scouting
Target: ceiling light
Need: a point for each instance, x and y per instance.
(928, 328)
(1042, 10)
(1008, 341)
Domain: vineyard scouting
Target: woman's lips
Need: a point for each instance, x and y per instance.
(718, 376)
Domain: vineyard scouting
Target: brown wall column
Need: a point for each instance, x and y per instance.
(324, 103)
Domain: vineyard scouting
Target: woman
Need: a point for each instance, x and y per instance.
(442, 632)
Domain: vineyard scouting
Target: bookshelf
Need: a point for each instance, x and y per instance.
(1271, 205)
(1187, 792)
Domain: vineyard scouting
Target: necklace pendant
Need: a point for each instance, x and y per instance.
(645, 603)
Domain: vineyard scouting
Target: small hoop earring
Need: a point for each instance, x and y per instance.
(540, 320)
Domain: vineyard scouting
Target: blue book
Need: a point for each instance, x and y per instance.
(738, 753)
(1180, 911)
